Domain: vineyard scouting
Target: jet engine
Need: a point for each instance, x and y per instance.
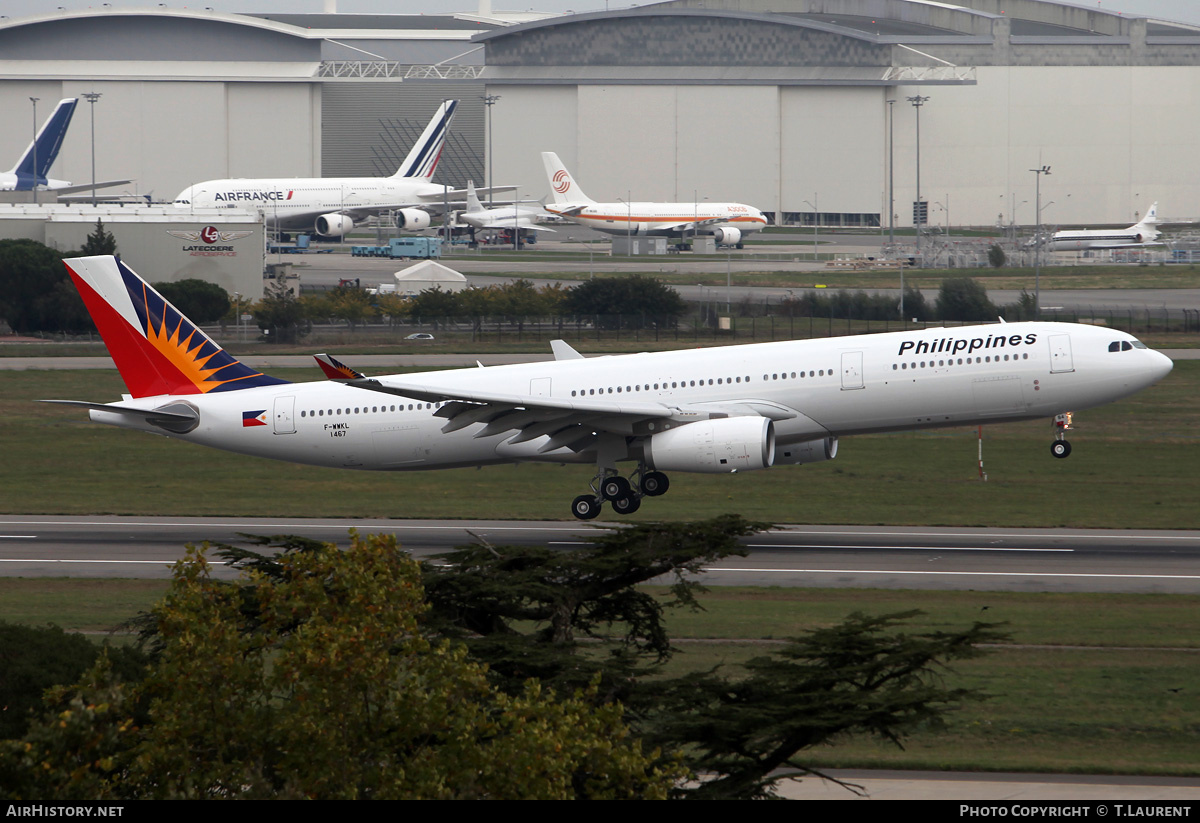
(412, 219)
(725, 444)
(333, 225)
(727, 236)
(810, 451)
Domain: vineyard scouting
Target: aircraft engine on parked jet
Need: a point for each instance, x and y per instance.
(810, 451)
(412, 219)
(726, 444)
(727, 236)
(334, 225)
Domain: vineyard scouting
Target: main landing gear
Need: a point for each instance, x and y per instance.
(625, 494)
(1061, 447)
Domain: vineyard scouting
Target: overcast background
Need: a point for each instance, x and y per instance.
(1187, 11)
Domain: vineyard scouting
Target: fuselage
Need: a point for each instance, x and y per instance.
(661, 218)
(10, 182)
(812, 389)
(1101, 239)
(295, 203)
(501, 217)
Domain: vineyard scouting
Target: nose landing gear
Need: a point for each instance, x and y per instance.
(1061, 447)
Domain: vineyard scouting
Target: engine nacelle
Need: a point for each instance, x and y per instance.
(726, 444)
(727, 236)
(333, 225)
(412, 219)
(810, 451)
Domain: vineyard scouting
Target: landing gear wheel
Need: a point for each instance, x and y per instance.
(654, 484)
(585, 507)
(614, 487)
(1060, 448)
(626, 505)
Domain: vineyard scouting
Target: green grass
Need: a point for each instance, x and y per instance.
(1134, 466)
(1091, 683)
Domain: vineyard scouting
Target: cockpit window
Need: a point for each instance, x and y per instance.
(1114, 345)
(1138, 344)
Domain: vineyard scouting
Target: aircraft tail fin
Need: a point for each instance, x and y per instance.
(157, 350)
(423, 158)
(1151, 218)
(473, 203)
(48, 141)
(562, 186)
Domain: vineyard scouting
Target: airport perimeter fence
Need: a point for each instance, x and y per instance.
(696, 329)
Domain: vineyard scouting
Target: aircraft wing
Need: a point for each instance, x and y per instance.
(573, 423)
(692, 225)
(518, 223)
(461, 194)
(103, 184)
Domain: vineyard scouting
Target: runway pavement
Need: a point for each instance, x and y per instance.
(1030, 560)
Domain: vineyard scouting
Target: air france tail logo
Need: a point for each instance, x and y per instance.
(562, 181)
(258, 417)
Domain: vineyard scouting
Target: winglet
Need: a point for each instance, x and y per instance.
(563, 351)
(335, 369)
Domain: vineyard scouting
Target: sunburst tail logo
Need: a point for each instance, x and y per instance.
(157, 350)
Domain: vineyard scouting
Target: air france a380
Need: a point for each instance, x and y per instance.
(717, 410)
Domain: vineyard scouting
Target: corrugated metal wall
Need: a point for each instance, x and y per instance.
(367, 128)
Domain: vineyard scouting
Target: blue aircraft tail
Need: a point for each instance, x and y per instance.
(49, 140)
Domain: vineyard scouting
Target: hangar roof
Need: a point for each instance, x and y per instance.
(810, 38)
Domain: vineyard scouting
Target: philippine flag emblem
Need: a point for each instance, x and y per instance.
(257, 417)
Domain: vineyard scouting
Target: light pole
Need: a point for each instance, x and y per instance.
(92, 97)
(35, 100)
(917, 102)
(1037, 249)
(891, 176)
(489, 100)
(816, 221)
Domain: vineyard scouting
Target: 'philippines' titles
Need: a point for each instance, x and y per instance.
(951, 345)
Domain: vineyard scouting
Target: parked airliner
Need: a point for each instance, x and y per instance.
(332, 206)
(43, 150)
(726, 222)
(1142, 233)
(516, 216)
(716, 410)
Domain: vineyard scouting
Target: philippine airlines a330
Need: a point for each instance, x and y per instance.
(725, 409)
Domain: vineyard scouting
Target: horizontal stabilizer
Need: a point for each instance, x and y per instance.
(177, 417)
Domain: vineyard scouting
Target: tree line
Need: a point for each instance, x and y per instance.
(495, 672)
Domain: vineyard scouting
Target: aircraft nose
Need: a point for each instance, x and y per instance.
(1161, 365)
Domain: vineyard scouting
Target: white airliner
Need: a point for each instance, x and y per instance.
(516, 216)
(716, 410)
(43, 150)
(1142, 233)
(331, 206)
(726, 222)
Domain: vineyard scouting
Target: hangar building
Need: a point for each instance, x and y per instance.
(783, 104)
